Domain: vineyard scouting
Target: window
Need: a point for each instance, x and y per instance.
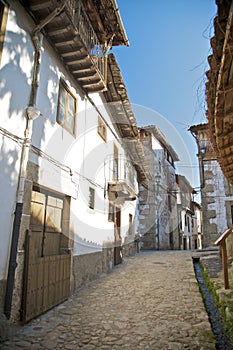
(91, 198)
(170, 159)
(115, 163)
(188, 223)
(169, 203)
(180, 222)
(3, 21)
(66, 109)
(111, 212)
(102, 130)
(130, 224)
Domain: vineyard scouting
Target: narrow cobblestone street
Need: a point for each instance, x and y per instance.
(151, 301)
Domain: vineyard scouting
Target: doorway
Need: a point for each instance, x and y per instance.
(117, 236)
(47, 264)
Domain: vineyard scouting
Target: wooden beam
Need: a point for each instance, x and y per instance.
(39, 5)
(226, 146)
(88, 84)
(226, 134)
(228, 173)
(224, 264)
(64, 42)
(85, 74)
(53, 31)
(76, 60)
(82, 68)
(97, 88)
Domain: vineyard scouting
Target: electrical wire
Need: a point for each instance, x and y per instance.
(62, 166)
(11, 136)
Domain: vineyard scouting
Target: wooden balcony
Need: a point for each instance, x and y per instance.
(73, 37)
(219, 92)
(122, 183)
(120, 192)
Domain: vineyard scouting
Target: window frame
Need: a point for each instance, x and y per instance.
(111, 212)
(48, 230)
(115, 169)
(3, 22)
(91, 199)
(130, 225)
(102, 128)
(64, 87)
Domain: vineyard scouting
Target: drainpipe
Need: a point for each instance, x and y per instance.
(31, 114)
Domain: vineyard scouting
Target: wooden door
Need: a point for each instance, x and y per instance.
(47, 257)
(118, 240)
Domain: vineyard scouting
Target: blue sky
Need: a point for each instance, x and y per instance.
(164, 68)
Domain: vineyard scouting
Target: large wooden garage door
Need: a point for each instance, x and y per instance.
(47, 257)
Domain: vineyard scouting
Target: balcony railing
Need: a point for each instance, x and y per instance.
(87, 34)
(126, 174)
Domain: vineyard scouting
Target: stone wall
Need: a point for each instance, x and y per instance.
(215, 215)
(4, 323)
(107, 259)
(216, 191)
(148, 241)
(32, 176)
(86, 268)
(129, 249)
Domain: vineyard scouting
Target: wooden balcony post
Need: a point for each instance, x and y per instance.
(224, 264)
(221, 241)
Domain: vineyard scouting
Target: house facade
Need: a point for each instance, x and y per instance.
(216, 191)
(185, 213)
(69, 175)
(157, 196)
(197, 226)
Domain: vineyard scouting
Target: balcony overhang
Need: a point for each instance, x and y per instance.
(123, 117)
(219, 94)
(106, 20)
(120, 191)
(79, 35)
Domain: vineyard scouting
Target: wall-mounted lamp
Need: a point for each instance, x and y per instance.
(32, 112)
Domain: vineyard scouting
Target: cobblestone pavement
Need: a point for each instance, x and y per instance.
(151, 301)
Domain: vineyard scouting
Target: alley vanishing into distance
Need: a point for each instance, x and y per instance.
(151, 301)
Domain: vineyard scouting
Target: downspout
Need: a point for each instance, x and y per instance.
(31, 113)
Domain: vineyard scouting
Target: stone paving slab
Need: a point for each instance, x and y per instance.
(151, 301)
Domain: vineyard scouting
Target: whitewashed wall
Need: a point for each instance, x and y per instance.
(15, 80)
(85, 155)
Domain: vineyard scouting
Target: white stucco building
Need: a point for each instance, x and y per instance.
(69, 175)
(185, 213)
